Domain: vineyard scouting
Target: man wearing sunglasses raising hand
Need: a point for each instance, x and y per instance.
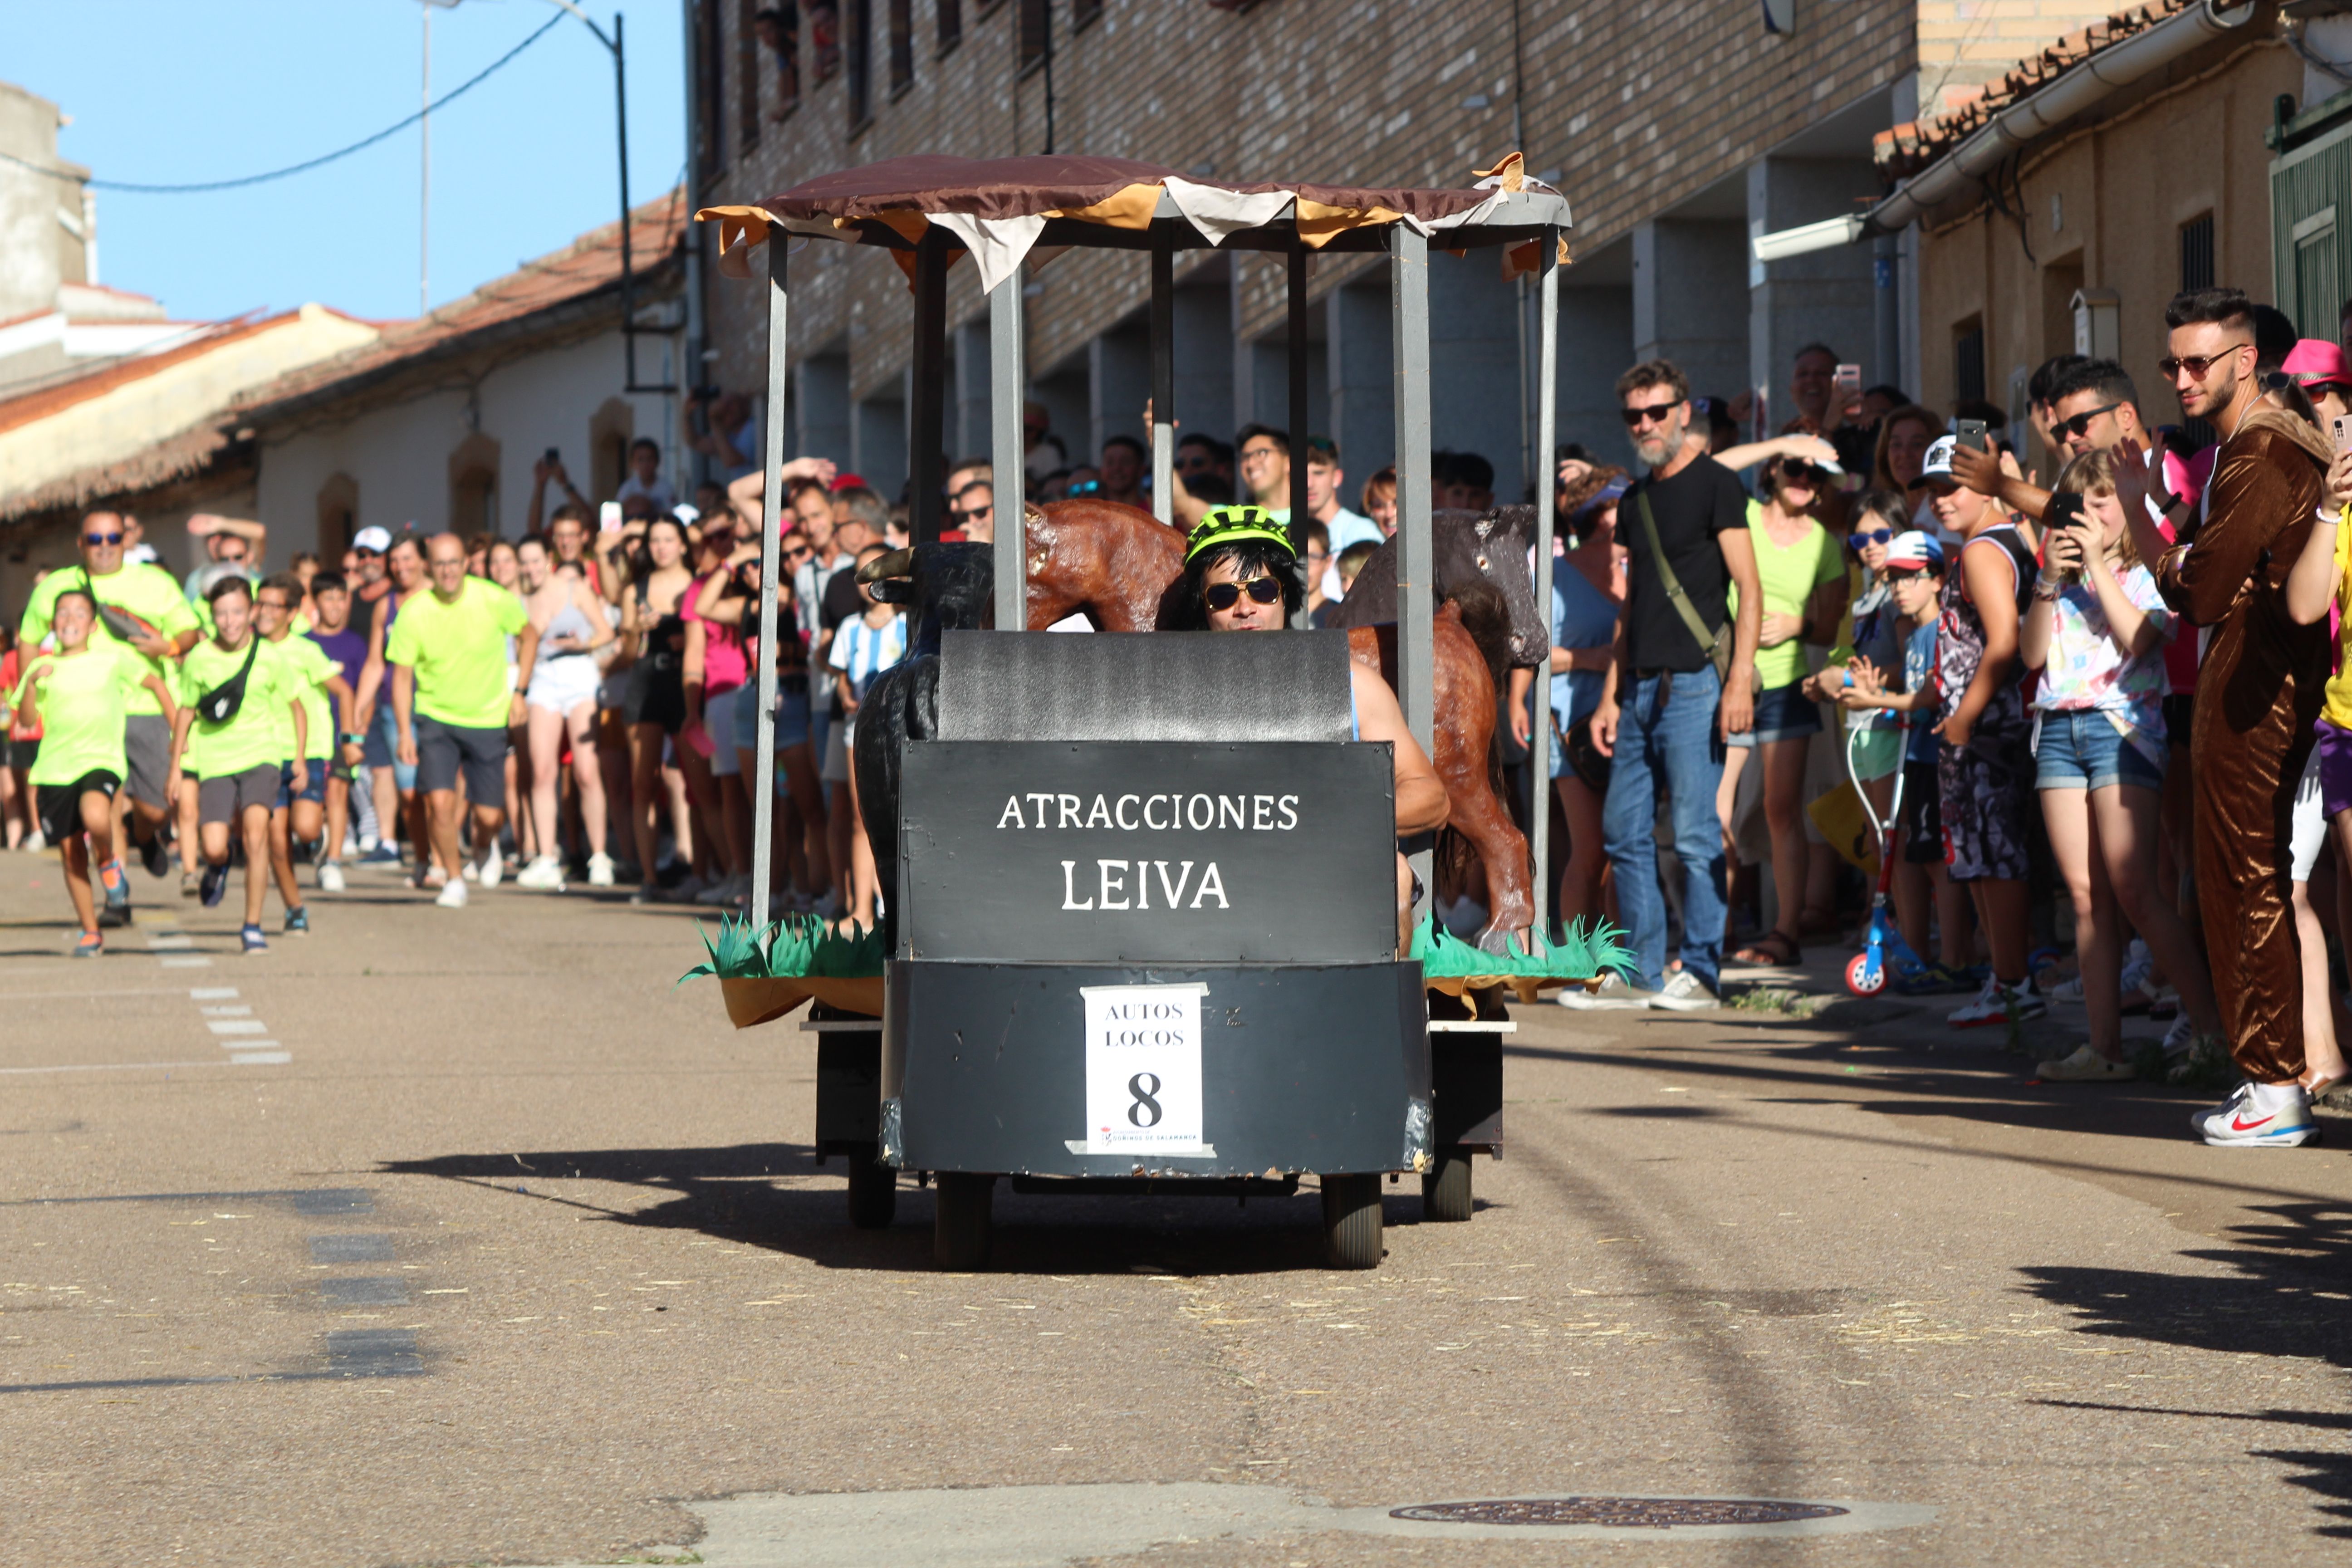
(1683, 678)
(141, 606)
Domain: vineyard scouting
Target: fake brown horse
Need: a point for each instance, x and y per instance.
(1119, 566)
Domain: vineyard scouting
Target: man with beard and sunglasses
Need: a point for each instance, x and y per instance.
(2265, 677)
(1240, 575)
(139, 606)
(1683, 682)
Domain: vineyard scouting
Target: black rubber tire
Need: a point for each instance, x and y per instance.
(873, 1189)
(1352, 1221)
(960, 1227)
(1446, 1188)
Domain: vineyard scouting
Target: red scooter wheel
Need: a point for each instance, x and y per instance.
(1860, 981)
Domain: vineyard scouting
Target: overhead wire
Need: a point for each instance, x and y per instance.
(455, 92)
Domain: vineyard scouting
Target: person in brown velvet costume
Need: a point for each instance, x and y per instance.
(2258, 691)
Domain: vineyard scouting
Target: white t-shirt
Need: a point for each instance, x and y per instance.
(658, 492)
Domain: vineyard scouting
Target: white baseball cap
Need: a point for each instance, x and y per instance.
(373, 538)
(1939, 465)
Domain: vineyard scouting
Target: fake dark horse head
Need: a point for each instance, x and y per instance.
(1489, 547)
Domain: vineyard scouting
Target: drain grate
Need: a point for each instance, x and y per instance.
(1617, 1512)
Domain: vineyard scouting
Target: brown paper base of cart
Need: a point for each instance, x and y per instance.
(1528, 988)
(751, 1002)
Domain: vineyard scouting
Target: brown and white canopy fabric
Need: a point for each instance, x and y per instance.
(999, 208)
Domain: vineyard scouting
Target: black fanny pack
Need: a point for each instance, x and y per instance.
(219, 705)
(113, 617)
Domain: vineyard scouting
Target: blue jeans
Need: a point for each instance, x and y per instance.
(1666, 743)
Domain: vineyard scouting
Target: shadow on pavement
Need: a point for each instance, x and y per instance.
(2290, 1297)
(727, 1193)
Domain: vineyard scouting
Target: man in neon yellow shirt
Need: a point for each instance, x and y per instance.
(454, 703)
(141, 607)
(80, 693)
(300, 808)
(235, 755)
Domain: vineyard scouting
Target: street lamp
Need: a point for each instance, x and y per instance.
(621, 120)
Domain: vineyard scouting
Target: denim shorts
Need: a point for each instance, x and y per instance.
(2081, 748)
(1782, 713)
(792, 717)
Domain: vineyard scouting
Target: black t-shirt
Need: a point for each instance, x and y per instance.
(1699, 502)
(839, 601)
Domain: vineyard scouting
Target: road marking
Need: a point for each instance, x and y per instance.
(239, 1010)
(236, 1027)
(260, 1058)
(187, 964)
(264, 1059)
(174, 942)
(210, 992)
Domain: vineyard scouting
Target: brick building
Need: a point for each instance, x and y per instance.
(1679, 130)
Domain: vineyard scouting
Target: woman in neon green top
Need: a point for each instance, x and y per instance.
(81, 694)
(1802, 574)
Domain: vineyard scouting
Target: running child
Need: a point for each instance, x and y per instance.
(80, 696)
(346, 650)
(299, 811)
(235, 691)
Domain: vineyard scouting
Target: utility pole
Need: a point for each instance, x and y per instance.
(425, 167)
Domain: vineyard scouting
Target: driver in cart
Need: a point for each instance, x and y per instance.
(1241, 575)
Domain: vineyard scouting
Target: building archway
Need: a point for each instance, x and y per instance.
(610, 430)
(474, 487)
(338, 511)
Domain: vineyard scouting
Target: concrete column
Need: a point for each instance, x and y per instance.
(1204, 361)
(1596, 346)
(1363, 410)
(968, 411)
(1826, 296)
(1119, 377)
(821, 407)
(1689, 301)
(1474, 362)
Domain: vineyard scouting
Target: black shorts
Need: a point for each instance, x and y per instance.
(656, 693)
(445, 750)
(58, 806)
(2180, 715)
(23, 753)
(1923, 816)
(227, 797)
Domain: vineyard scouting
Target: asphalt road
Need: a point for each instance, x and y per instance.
(496, 1247)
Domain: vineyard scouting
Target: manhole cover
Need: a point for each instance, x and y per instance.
(1617, 1512)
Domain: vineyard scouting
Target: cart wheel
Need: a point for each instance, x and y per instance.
(1352, 1221)
(873, 1189)
(1445, 1189)
(1861, 980)
(960, 1230)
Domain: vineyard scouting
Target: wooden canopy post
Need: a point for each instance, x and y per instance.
(763, 772)
(927, 420)
(1542, 469)
(1163, 378)
(1004, 401)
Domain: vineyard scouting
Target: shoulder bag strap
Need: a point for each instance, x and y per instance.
(1715, 644)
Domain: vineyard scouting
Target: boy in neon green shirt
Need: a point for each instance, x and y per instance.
(237, 757)
(80, 693)
(302, 805)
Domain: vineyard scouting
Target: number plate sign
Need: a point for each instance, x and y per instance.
(1143, 1071)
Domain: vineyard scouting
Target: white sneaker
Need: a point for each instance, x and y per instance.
(2179, 1039)
(453, 894)
(33, 843)
(2259, 1116)
(543, 875)
(494, 866)
(1992, 1005)
(1685, 993)
(2068, 991)
(468, 870)
(725, 891)
(1613, 995)
(330, 877)
(600, 870)
(367, 842)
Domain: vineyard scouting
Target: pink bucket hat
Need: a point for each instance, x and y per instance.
(2314, 363)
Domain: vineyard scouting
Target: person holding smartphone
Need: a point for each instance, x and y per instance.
(2096, 630)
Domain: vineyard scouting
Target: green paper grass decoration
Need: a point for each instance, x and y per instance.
(796, 947)
(1582, 954)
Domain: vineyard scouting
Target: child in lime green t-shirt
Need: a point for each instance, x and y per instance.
(81, 695)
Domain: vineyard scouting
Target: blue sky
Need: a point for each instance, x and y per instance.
(166, 93)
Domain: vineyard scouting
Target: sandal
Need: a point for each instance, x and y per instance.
(1773, 950)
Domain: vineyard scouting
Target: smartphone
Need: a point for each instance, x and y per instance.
(2064, 511)
(554, 456)
(2341, 426)
(1970, 433)
(1847, 381)
(608, 517)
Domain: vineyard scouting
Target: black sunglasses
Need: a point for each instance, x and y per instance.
(2080, 423)
(1224, 596)
(1655, 411)
(102, 539)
